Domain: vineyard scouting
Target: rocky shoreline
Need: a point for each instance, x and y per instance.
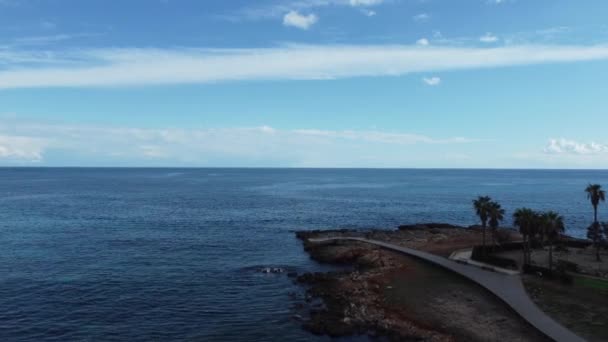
(393, 296)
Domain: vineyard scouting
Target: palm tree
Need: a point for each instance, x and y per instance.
(526, 220)
(596, 195)
(552, 225)
(496, 214)
(482, 208)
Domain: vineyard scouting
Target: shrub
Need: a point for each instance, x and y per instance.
(487, 257)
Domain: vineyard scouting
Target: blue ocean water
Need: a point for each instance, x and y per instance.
(174, 254)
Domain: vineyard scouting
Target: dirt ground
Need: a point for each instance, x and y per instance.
(584, 258)
(453, 304)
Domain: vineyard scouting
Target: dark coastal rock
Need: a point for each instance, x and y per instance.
(307, 234)
(339, 253)
(333, 325)
(347, 303)
(308, 277)
(426, 226)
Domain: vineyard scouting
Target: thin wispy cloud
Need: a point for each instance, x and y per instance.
(553, 30)
(368, 12)
(279, 9)
(382, 137)
(545, 35)
(422, 17)
(49, 39)
(128, 67)
(48, 25)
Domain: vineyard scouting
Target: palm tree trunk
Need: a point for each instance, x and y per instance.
(525, 251)
(529, 250)
(595, 214)
(483, 229)
(551, 257)
(596, 228)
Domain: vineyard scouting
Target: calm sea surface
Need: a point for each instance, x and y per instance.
(174, 254)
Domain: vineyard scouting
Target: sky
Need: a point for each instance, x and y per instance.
(304, 83)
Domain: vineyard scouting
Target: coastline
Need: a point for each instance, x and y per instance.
(398, 297)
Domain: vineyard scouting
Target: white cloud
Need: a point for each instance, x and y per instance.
(422, 17)
(21, 148)
(488, 38)
(422, 42)
(565, 146)
(127, 67)
(300, 21)
(432, 81)
(365, 2)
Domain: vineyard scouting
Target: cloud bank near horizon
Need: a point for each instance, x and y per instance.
(31, 143)
(24, 142)
(148, 66)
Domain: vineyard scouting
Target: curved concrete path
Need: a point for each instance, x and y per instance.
(508, 288)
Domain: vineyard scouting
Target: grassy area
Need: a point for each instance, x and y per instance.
(582, 306)
(593, 283)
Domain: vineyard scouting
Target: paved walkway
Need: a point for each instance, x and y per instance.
(465, 256)
(509, 288)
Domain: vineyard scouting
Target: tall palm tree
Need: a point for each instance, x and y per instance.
(552, 225)
(526, 220)
(596, 195)
(496, 214)
(482, 208)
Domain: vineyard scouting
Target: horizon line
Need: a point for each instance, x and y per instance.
(298, 168)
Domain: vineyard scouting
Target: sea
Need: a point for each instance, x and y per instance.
(158, 254)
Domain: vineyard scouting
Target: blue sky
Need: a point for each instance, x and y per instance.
(304, 83)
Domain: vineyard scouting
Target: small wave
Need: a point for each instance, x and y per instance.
(174, 174)
(496, 184)
(270, 269)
